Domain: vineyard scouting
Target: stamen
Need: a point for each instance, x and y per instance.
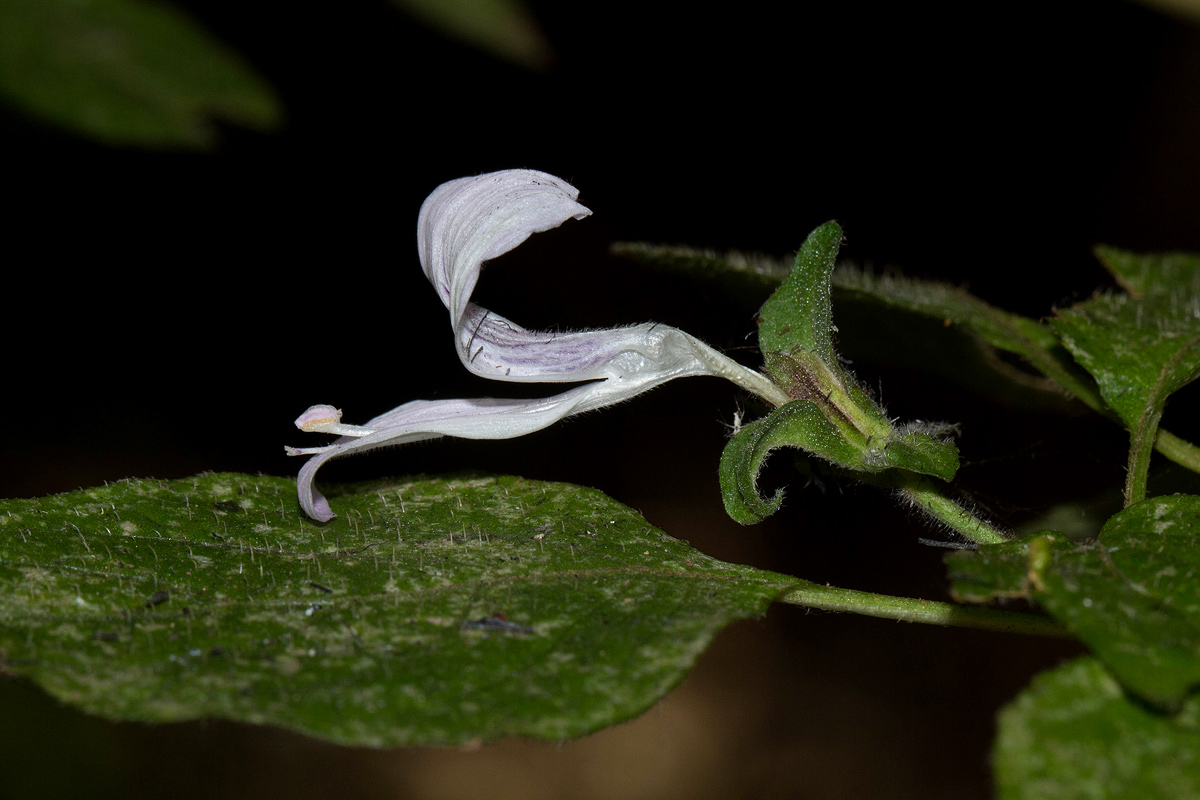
(327, 419)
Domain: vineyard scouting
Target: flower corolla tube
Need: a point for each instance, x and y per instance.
(463, 224)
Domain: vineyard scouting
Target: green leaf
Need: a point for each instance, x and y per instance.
(995, 571)
(1138, 351)
(126, 72)
(1074, 734)
(1140, 348)
(430, 611)
(1131, 596)
(1157, 275)
(504, 28)
(950, 304)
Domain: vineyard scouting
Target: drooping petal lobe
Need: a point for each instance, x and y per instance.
(468, 221)
(463, 224)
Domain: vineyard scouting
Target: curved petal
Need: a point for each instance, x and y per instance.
(468, 221)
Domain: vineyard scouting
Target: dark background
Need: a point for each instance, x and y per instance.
(169, 313)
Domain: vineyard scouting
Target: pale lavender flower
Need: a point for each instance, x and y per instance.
(461, 225)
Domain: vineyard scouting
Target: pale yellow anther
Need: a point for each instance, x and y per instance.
(318, 418)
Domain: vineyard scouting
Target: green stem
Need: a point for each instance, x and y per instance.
(1181, 451)
(1141, 445)
(932, 499)
(929, 612)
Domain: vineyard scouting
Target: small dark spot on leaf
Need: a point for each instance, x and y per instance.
(321, 588)
(158, 598)
(106, 636)
(216, 651)
(497, 622)
(227, 505)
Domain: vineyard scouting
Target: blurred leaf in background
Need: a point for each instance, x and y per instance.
(504, 28)
(144, 74)
(1187, 9)
(127, 72)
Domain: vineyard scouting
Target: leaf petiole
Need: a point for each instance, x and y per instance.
(929, 612)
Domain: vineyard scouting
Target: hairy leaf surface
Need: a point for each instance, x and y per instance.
(430, 611)
(1132, 596)
(1075, 734)
(1140, 346)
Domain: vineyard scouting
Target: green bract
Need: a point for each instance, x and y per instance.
(831, 416)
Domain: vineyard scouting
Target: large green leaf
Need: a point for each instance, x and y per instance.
(1131, 596)
(1074, 735)
(436, 611)
(126, 72)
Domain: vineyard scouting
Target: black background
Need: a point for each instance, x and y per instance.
(169, 313)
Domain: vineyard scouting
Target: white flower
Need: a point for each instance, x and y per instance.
(461, 225)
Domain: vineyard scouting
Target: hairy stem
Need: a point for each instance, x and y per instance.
(1141, 446)
(929, 612)
(931, 498)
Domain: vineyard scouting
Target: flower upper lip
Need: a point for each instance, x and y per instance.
(463, 224)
